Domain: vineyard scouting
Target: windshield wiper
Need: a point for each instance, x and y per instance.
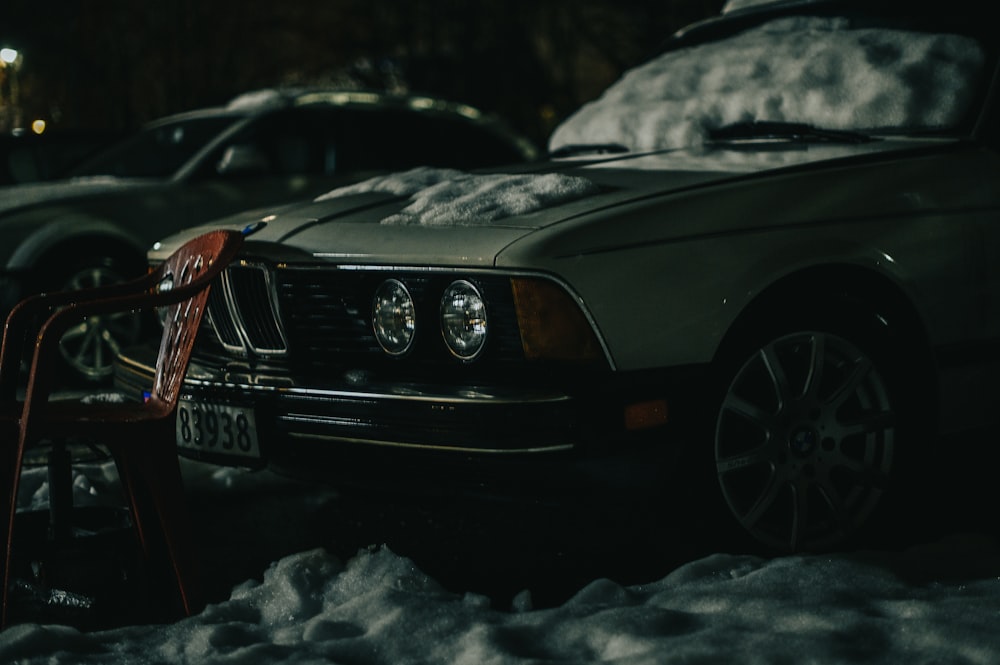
(575, 149)
(784, 131)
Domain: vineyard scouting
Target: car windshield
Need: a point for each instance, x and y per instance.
(158, 151)
(826, 72)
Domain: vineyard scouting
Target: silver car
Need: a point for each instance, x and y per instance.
(765, 264)
(261, 149)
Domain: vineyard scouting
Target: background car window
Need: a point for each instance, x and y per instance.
(395, 139)
(287, 142)
(157, 152)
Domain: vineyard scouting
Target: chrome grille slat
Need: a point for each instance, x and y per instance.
(252, 300)
(220, 319)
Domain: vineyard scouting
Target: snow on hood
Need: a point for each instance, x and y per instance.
(797, 69)
(446, 197)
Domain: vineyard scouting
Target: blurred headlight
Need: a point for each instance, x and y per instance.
(393, 317)
(463, 319)
(166, 284)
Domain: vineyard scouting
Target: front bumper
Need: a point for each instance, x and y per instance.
(356, 430)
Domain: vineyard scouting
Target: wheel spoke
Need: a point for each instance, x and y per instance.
(779, 380)
(89, 341)
(870, 423)
(817, 361)
(849, 386)
(97, 359)
(759, 455)
(800, 515)
(864, 474)
(113, 345)
(766, 499)
(752, 412)
(76, 332)
(834, 502)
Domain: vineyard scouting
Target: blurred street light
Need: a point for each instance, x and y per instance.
(10, 62)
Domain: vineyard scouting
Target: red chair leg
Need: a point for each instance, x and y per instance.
(9, 476)
(152, 480)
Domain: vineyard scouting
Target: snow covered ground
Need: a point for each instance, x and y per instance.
(933, 603)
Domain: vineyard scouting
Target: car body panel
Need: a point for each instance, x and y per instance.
(864, 219)
(759, 243)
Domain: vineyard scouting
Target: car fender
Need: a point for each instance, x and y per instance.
(671, 303)
(64, 231)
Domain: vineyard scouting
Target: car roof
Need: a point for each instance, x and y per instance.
(966, 16)
(266, 100)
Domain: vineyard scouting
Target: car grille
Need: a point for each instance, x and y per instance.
(243, 312)
(315, 319)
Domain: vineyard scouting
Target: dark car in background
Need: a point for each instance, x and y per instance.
(765, 264)
(261, 149)
(26, 156)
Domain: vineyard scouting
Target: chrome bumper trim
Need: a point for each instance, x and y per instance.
(199, 377)
(418, 446)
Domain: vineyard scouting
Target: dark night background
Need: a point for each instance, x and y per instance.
(111, 65)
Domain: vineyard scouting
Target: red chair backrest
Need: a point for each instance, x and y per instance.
(191, 269)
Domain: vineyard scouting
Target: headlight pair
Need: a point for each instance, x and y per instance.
(462, 315)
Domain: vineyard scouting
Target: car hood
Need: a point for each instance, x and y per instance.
(446, 217)
(17, 197)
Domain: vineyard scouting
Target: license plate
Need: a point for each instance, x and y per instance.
(222, 429)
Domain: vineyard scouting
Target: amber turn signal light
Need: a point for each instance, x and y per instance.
(553, 327)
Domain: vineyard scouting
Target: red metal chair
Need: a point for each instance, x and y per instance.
(139, 436)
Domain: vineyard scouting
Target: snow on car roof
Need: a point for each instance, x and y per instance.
(797, 69)
(257, 100)
(734, 5)
(447, 197)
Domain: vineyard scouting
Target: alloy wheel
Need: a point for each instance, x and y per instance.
(804, 441)
(90, 347)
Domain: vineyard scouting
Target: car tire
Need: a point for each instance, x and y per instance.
(88, 349)
(815, 432)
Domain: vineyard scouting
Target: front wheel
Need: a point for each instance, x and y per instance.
(805, 440)
(90, 347)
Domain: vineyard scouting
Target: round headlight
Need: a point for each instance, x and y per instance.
(463, 319)
(393, 317)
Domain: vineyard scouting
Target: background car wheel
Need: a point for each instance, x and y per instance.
(805, 441)
(89, 348)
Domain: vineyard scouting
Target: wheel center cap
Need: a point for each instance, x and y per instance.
(803, 440)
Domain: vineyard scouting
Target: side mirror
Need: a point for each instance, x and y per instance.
(242, 159)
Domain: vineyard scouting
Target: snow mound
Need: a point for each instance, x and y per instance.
(799, 69)
(380, 608)
(446, 197)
